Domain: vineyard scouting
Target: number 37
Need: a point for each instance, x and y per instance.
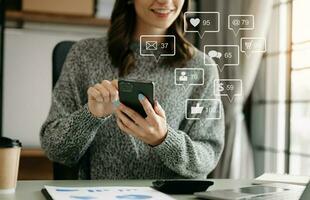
(164, 45)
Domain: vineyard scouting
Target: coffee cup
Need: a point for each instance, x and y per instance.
(9, 163)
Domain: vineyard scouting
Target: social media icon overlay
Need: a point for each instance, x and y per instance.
(223, 55)
(251, 45)
(237, 23)
(230, 88)
(189, 76)
(196, 109)
(149, 46)
(201, 22)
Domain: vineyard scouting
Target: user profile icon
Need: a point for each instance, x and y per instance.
(187, 77)
(183, 77)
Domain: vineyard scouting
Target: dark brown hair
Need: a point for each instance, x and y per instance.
(123, 21)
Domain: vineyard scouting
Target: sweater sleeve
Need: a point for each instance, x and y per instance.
(193, 150)
(69, 128)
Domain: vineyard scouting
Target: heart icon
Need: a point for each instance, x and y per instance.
(194, 21)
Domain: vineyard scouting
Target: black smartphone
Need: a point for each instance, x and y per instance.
(129, 91)
(181, 186)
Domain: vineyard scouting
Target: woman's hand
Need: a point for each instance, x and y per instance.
(151, 130)
(101, 98)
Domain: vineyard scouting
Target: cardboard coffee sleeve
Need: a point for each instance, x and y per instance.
(9, 163)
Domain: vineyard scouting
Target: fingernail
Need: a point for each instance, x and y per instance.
(141, 97)
(116, 103)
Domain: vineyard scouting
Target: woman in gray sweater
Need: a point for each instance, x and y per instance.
(88, 126)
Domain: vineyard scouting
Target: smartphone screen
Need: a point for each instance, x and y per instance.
(129, 91)
(259, 190)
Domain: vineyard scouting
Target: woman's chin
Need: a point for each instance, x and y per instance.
(162, 25)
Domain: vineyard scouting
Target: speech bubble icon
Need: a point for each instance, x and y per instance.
(228, 87)
(188, 76)
(196, 109)
(201, 22)
(237, 23)
(251, 45)
(215, 54)
(223, 55)
(150, 45)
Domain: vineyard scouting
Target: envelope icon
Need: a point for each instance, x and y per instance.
(151, 45)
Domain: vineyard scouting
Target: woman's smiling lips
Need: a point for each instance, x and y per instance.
(162, 12)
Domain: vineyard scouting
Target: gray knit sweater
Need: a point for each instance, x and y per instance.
(71, 135)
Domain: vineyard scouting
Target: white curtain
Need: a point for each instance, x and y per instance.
(237, 158)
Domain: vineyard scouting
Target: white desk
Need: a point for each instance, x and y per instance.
(31, 190)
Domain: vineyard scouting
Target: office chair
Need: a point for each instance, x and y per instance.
(60, 51)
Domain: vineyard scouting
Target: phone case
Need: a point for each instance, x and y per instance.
(181, 186)
(129, 91)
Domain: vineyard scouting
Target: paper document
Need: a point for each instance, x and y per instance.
(282, 178)
(105, 193)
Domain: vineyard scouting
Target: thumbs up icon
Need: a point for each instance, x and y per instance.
(196, 109)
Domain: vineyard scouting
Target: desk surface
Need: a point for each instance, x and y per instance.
(32, 189)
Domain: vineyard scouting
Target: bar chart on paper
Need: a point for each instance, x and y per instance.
(105, 193)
